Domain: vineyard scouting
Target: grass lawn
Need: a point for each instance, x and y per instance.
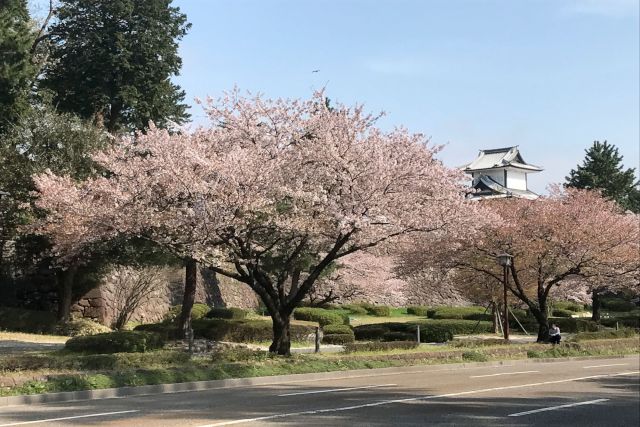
(25, 337)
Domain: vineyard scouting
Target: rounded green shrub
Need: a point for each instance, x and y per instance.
(462, 313)
(474, 356)
(568, 305)
(617, 304)
(165, 329)
(320, 315)
(245, 330)
(81, 327)
(198, 311)
(560, 312)
(227, 313)
(337, 329)
(398, 336)
(338, 338)
(380, 311)
(370, 332)
(575, 325)
(355, 309)
(116, 342)
(417, 310)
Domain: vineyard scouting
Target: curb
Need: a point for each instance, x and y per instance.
(115, 393)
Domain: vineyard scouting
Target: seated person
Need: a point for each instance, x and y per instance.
(554, 334)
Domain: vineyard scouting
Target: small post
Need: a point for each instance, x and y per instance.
(418, 334)
(617, 326)
(190, 336)
(317, 339)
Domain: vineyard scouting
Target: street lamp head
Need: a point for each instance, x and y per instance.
(504, 259)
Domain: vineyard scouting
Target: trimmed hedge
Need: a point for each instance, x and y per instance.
(561, 312)
(430, 330)
(166, 330)
(621, 333)
(417, 310)
(354, 308)
(245, 330)
(575, 325)
(320, 315)
(338, 338)
(227, 313)
(462, 313)
(380, 311)
(380, 346)
(198, 311)
(81, 327)
(337, 329)
(116, 342)
(617, 304)
(398, 336)
(626, 321)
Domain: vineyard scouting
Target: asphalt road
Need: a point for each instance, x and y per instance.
(595, 392)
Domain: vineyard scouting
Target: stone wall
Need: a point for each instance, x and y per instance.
(101, 303)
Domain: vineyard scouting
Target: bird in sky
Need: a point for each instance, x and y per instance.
(315, 71)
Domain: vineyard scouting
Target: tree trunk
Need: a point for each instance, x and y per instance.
(281, 335)
(189, 297)
(65, 292)
(542, 316)
(595, 305)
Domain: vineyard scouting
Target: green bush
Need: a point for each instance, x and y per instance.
(81, 327)
(198, 311)
(417, 310)
(166, 330)
(462, 313)
(617, 304)
(227, 313)
(355, 309)
(398, 336)
(338, 338)
(22, 320)
(380, 311)
(621, 333)
(116, 342)
(380, 346)
(245, 330)
(320, 315)
(457, 327)
(370, 332)
(474, 356)
(337, 329)
(561, 312)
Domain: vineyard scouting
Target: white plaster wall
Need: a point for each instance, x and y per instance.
(516, 180)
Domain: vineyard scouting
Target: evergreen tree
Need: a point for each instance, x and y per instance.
(16, 70)
(602, 169)
(112, 61)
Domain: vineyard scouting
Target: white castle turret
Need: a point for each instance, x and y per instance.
(501, 172)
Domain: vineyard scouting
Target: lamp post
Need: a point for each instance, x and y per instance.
(504, 259)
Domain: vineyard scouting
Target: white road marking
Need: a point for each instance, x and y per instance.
(104, 414)
(335, 390)
(553, 408)
(409, 399)
(602, 366)
(503, 373)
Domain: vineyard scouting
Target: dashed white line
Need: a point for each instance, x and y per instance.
(503, 373)
(103, 414)
(602, 366)
(410, 399)
(553, 408)
(335, 390)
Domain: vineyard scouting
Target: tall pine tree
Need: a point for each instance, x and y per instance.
(112, 61)
(602, 169)
(16, 70)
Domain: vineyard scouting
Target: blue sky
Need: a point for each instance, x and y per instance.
(548, 75)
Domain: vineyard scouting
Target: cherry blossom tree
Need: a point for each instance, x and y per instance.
(555, 240)
(278, 189)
